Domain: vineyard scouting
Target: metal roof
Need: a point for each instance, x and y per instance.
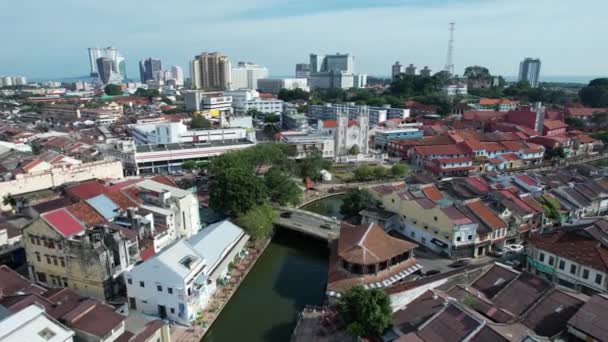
(104, 206)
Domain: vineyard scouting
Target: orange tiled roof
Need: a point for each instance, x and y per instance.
(369, 244)
(485, 214)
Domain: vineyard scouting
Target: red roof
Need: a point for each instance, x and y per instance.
(334, 123)
(486, 215)
(490, 102)
(440, 150)
(147, 253)
(509, 156)
(63, 222)
(584, 111)
(554, 124)
(527, 180)
(432, 193)
(86, 190)
(478, 183)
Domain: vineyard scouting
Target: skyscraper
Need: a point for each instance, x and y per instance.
(410, 70)
(397, 69)
(334, 71)
(302, 70)
(426, 72)
(210, 71)
(529, 70)
(246, 75)
(111, 53)
(150, 69)
(178, 74)
(104, 69)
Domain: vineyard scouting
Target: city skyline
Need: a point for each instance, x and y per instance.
(488, 33)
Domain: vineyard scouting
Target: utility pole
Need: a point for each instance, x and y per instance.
(449, 63)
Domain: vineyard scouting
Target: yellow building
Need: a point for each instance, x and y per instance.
(62, 252)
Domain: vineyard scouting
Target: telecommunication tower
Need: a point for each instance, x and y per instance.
(449, 63)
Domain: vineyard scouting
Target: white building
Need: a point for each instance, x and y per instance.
(329, 111)
(215, 103)
(274, 85)
(455, 90)
(246, 75)
(334, 71)
(32, 324)
(306, 144)
(177, 132)
(244, 100)
(177, 283)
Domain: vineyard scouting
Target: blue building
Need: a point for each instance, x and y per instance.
(383, 135)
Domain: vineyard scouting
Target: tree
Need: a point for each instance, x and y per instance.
(574, 122)
(595, 94)
(363, 173)
(442, 78)
(379, 172)
(398, 170)
(355, 201)
(354, 150)
(272, 119)
(600, 119)
(113, 89)
(200, 122)
(189, 165)
(312, 165)
(258, 221)
(281, 187)
(235, 190)
(366, 312)
(477, 72)
(292, 95)
(558, 152)
(149, 93)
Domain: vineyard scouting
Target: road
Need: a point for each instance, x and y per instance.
(309, 223)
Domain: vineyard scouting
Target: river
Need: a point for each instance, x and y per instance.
(291, 274)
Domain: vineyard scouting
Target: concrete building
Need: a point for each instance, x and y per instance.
(397, 69)
(529, 70)
(177, 283)
(177, 74)
(426, 72)
(334, 71)
(32, 324)
(246, 75)
(295, 121)
(410, 70)
(382, 135)
(211, 71)
(452, 90)
(150, 69)
(62, 252)
(8, 81)
(376, 114)
(214, 103)
(177, 133)
(111, 53)
(274, 85)
(150, 159)
(305, 144)
(244, 99)
(302, 70)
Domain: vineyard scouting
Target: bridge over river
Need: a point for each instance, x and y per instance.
(309, 223)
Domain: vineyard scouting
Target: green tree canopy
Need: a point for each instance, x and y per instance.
(595, 94)
(366, 312)
(235, 191)
(295, 94)
(355, 201)
(575, 122)
(600, 119)
(149, 93)
(281, 188)
(363, 173)
(399, 170)
(312, 165)
(477, 72)
(258, 221)
(200, 122)
(113, 89)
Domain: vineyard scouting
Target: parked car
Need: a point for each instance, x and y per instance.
(286, 214)
(431, 272)
(325, 226)
(514, 248)
(497, 253)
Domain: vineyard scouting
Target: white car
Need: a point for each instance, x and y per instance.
(514, 248)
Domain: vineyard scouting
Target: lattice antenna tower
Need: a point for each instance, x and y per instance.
(449, 63)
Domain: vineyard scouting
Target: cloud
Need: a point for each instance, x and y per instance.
(50, 38)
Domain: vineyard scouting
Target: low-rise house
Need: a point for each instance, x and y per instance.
(588, 322)
(32, 324)
(575, 257)
(177, 283)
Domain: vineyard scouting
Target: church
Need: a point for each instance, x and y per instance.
(351, 137)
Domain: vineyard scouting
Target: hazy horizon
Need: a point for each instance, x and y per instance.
(49, 40)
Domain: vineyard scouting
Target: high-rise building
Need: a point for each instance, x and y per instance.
(410, 70)
(211, 71)
(334, 71)
(178, 74)
(150, 69)
(246, 75)
(302, 70)
(104, 69)
(111, 53)
(426, 72)
(397, 69)
(529, 70)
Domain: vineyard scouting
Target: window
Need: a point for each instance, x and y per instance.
(541, 257)
(65, 282)
(435, 218)
(159, 288)
(38, 257)
(426, 227)
(62, 261)
(48, 259)
(132, 303)
(585, 273)
(54, 260)
(129, 281)
(170, 290)
(562, 265)
(470, 237)
(46, 333)
(573, 269)
(172, 310)
(551, 260)
(458, 238)
(598, 279)
(32, 240)
(141, 284)
(51, 244)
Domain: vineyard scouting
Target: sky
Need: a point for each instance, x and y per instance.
(49, 39)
